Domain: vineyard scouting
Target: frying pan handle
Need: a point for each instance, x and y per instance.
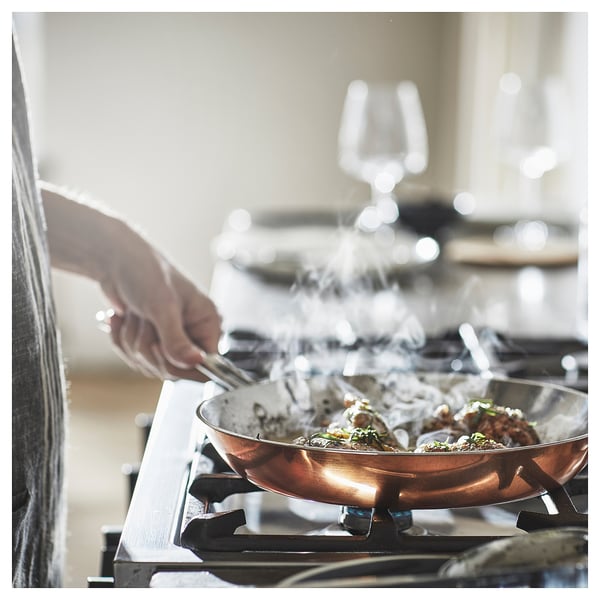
(223, 372)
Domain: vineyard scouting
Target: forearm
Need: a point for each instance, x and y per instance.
(82, 239)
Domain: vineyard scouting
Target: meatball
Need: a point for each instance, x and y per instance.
(499, 423)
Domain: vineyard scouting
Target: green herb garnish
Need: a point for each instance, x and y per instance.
(366, 435)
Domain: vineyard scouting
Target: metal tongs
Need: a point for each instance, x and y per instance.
(223, 372)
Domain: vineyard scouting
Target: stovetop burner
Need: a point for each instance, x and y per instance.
(358, 521)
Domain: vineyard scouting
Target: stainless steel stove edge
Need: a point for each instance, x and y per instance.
(148, 538)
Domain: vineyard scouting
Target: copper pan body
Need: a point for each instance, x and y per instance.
(245, 424)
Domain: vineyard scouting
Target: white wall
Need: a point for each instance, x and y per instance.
(176, 119)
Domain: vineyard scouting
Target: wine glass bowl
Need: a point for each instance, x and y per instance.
(532, 131)
(382, 139)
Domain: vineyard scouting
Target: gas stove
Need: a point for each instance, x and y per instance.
(194, 523)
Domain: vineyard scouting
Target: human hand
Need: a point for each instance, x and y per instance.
(161, 321)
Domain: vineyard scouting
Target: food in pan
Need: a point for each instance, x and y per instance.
(502, 424)
(475, 441)
(364, 429)
(479, 425)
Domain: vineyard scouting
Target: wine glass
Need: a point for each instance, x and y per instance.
(532, 132)
(382, 140)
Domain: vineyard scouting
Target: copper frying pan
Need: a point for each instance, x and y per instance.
(252, 427)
